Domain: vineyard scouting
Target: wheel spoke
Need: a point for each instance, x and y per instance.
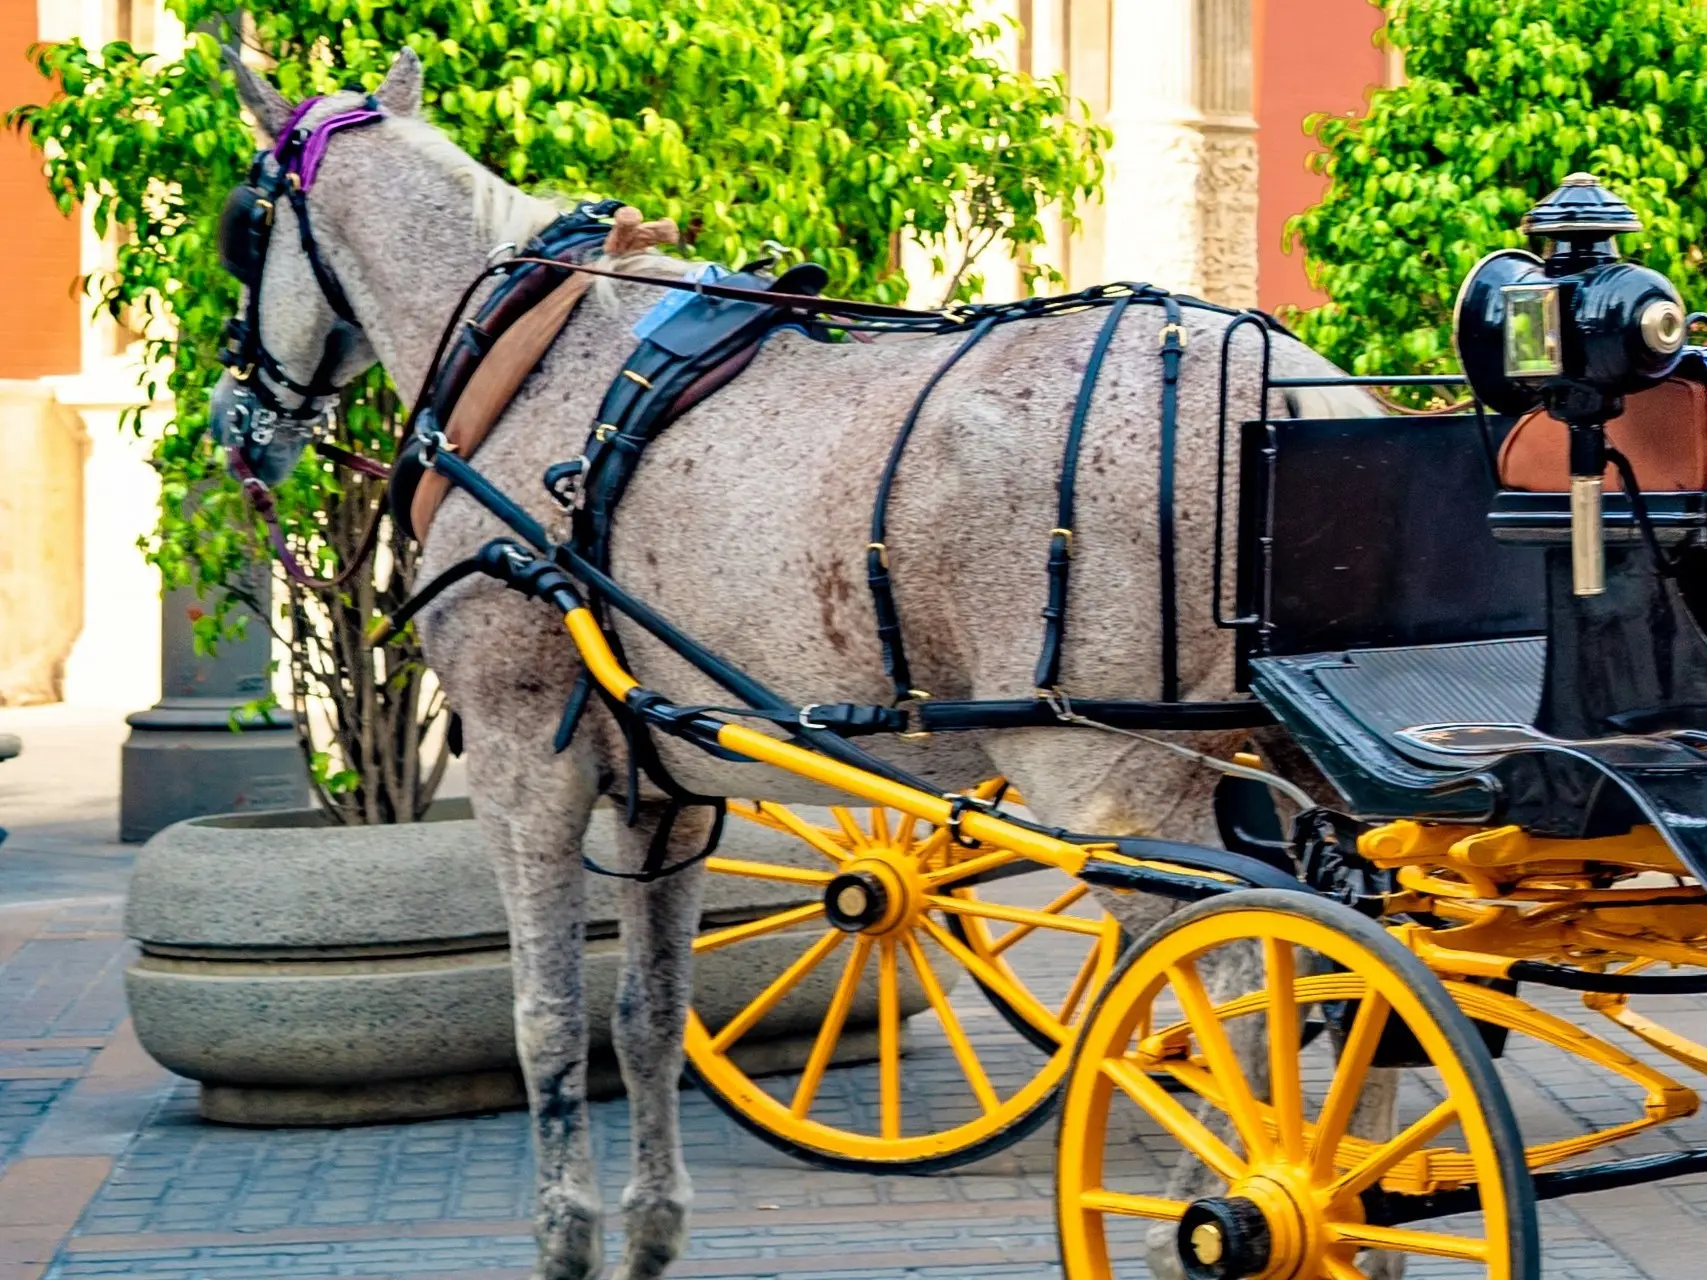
(1285, 1086)
(1339, 1269)
(1081, 984)
(1021, 1000)
(757, 928)
(1188, 1130)
(879, 826)
(888, 1040)
(1054, 908)
(768, 871)
(1013, 915)
(850, 828)
(906, 826)
(815, 836)
(830, 1034)
(957, 871)
(767, 999)
(1434, 1244)
(963, 1050)
(1118, 1202)
(1236, 1096)
(1367, 1172)
(1343, 1093)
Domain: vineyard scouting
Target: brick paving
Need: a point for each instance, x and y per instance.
(184, 1200)
(106, 1170)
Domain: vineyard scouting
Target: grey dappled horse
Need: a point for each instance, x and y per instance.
(745, 525)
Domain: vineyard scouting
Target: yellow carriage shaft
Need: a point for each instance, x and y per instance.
(974, 824)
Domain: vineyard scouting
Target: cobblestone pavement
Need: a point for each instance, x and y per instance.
(105, 1169)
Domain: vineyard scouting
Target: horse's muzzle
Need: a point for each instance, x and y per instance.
(238, 420)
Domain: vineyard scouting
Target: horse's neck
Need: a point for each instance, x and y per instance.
(411, 244)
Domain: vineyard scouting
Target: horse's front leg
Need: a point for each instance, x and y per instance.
(659, 921)
(533, 808)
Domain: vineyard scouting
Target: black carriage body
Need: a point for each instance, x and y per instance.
(1386, 584)
(1372, 532)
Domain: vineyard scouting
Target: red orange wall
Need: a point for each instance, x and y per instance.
(39, 323)
(1311, 55)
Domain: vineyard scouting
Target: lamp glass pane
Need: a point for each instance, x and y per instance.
(1532, 346)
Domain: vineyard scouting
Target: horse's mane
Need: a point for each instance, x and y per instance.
(506, 214)
(503, 213)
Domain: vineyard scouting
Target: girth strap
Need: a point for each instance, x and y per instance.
(1173, 339)
(1048, 673)
(877, 552)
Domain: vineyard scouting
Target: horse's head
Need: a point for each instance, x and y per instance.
(296, 342)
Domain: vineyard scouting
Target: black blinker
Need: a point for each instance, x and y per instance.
(245, 225)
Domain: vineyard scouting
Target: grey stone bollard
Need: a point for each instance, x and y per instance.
(309, 974)
(182, 758)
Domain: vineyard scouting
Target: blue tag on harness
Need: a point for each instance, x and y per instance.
(673, 301)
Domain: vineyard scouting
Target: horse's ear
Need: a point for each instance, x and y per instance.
(400, 92)
(256, 92)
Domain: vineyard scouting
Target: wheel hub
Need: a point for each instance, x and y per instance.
(855, 901)
(1224, 1239)
(869, 896)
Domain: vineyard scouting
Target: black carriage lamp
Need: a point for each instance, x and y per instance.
(1575, 330)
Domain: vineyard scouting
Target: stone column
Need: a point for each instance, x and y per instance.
(42, 448)
(183, 760)
(1152, 219)
(1182, 190)
(1227, 182)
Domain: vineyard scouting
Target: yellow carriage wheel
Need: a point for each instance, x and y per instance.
(1275, 1186)
(890, 934)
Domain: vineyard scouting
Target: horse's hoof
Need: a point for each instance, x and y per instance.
(657, 1232)
(571, 1239)
(1161, 1252)
(1382, 1266)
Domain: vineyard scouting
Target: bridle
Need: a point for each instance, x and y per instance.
(287, 172)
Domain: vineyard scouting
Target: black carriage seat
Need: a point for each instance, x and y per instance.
(1350, 709)
(1380, 600)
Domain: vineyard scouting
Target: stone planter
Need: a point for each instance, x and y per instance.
(313, 974)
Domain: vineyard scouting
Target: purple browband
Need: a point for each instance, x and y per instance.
(302, 155)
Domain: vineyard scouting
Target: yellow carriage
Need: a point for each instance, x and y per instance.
(1515, 727)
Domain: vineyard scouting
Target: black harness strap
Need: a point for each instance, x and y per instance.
(877, 552)
(1173, 337)
(666, 372)
(1048, 674)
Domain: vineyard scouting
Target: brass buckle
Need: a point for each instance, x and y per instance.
(909, 704)
(1067, 534)
(882, 559)
(1177, 330)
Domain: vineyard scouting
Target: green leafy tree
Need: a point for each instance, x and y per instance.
(1503, 99)
(833, 127)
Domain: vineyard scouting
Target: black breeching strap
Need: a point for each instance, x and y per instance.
(1173, 339)
(877, 552)
(1048, 674)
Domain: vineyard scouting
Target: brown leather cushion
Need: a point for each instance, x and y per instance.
(1663, 431)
